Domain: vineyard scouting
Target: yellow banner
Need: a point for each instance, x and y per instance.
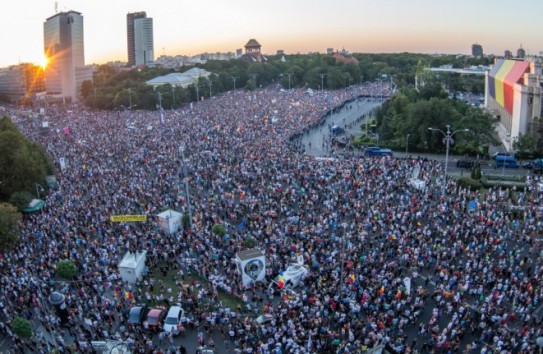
(128, 218)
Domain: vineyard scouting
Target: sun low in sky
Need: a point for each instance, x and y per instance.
(192, 27)
(43, 62)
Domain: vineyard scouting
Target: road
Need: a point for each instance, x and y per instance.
(349, 118)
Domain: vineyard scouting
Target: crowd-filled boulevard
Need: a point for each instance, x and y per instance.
(474, 273)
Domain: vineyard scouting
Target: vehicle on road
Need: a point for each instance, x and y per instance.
(467, 164)
(505, 161)
(379, 152)
(173, 319)
(337, 130)
(535, 165)
(137, 315)
(155, 318)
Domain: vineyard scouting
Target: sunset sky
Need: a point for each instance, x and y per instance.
(192, 27)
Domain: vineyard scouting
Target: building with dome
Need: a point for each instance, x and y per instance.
(252, 52)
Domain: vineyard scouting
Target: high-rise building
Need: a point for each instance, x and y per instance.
(131, 44)
(508, 54)
(521, 53)
(476, 50)
(143, 42)
(64, 48)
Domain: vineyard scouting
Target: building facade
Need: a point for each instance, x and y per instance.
(476, 50)
(64, 47)
(143, 42)
(513, 90)
(20, 83)
(130, 39)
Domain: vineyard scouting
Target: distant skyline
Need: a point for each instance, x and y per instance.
(189, 28)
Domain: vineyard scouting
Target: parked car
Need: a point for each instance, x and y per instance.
(155, 318)
(173, 318)
(505, 161)
(379, 152)
(137, 314)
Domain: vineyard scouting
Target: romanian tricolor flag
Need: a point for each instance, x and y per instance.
(502, 78)
(351, 278)
(382, 291)
(399, 295)
(280, 281)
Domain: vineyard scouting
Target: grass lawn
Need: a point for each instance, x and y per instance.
(228, 301)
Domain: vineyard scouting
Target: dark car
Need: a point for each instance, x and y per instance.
(467, 164)
(137, 314)
(156, 317)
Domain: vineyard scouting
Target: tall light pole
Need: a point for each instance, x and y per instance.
(289, 80)
(322, 81)
(209, 82)
(448, 136)
(173, 97)
(234, 78)
(406, 143)
(182, 151)
(129, 97)
(254, 79)
(38, 190)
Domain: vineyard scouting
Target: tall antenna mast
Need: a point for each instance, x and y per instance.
(56, 7)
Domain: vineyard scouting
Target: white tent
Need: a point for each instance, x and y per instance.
(251, 265)
(169, 221)
(132, 266)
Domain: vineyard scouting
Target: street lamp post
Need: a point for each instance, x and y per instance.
(234, 78)
(209, 82)
(289, 80)
(38, 190)
(539, 342)
(322, 81)
(182, 151)
(254, 79)
(406, 143)
(448, 136)
(173, 97)
(130, 97)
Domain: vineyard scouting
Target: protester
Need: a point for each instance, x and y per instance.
(359, 228)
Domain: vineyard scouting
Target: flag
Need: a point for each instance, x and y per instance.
(351, 278)
(280, 281)
(382, 291)
(399, 295)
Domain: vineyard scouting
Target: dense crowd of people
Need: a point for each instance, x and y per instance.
(415, 270)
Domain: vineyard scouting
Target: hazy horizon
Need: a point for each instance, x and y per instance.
(388, 26)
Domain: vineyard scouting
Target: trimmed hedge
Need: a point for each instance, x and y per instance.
(468, 182)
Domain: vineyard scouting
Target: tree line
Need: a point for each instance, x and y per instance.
(112, 89)
(407, 115)
(23, 168)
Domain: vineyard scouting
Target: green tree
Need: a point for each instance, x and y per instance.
(250, 242)
(9, 225)
(66, 269)
(525, 145)
(21, 327)
(20, 199)
(218, 230)
(185, 220)
(22, 163)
